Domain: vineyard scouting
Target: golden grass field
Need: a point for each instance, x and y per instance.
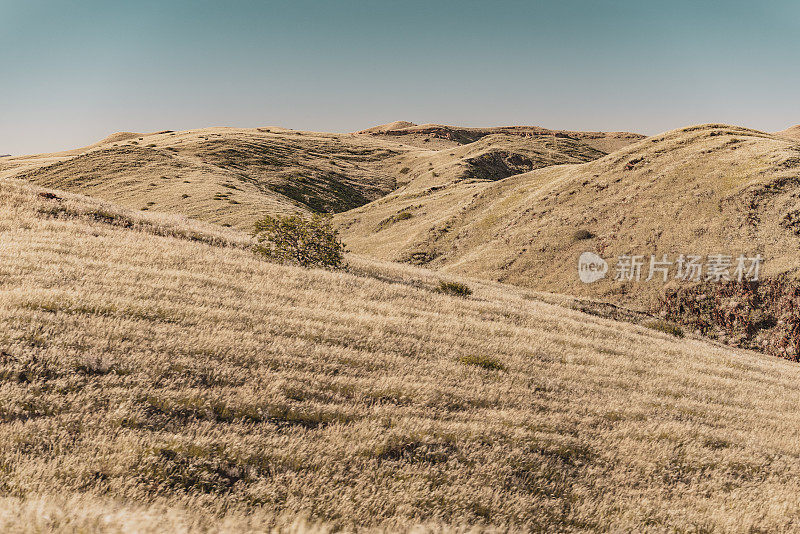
(229, 176)
(445, 136)
(703, 189)
(234, 176)
(157, 376)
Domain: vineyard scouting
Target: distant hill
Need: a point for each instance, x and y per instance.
(391, 126)
(223, 175)
(490, 158)
(442, 135)
(791, 133)
(516, 204)
(708, 189)
(233, 176)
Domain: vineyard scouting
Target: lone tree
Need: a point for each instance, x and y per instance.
(312, 242)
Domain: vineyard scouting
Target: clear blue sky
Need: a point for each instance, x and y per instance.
(74, 71)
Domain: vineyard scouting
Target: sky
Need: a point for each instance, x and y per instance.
(72, 72)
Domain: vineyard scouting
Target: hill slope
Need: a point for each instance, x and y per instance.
(223, 175)
(441, 135)
(490, 158)
(705, 189)
(792, 133)
(234, 176)
(154, 373)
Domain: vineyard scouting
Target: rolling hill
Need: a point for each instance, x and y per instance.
(156, 375)
(234, 176)
(444, 136)
(791, 133)
(223, 175)
(513, 204)
(703, 189)
(490, 158)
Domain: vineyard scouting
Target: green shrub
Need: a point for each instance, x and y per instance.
(308, 242)
(666, 327)
(487, 362)
(582, 234)
(401, 216)
(454, 288)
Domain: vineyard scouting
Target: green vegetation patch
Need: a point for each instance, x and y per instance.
(485, 362)
(666, 327)
(454, 288)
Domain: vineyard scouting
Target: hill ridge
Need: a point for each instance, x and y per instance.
(235, 176)
(708, 187)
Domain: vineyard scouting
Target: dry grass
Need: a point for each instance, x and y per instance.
(151, 382)
(444, 136)
(487, 158)
(235, 176)
(792, 133)
(699, 190)
(204, 173)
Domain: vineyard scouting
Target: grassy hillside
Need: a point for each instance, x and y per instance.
(155, 375)
(223, 175)
(490, 158)
(792, 133)
(704, 189)
(443, 136)
(233, 176)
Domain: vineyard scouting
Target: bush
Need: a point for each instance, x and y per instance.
(580, 235)
(401, 216)
(454, 288)
(488, 363)
(312, 242)
(762, 315)
(666, 327)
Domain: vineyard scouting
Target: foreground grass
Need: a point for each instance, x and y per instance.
(151, 379)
